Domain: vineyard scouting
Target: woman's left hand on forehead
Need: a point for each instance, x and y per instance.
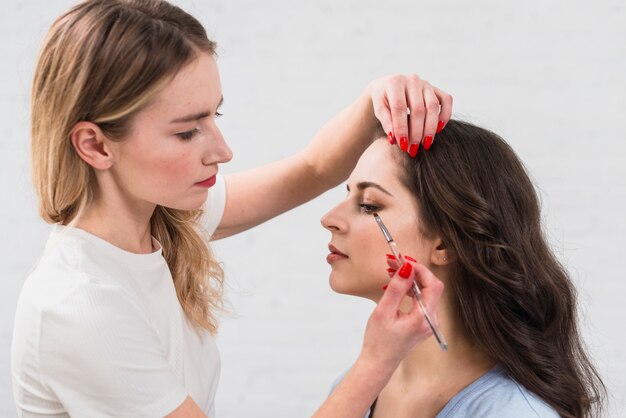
(428, 108)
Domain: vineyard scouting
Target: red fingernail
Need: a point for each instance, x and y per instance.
(390, 270)
(391, 256)
(440, 126)
(413, 150)
(428, 141)
(404, 143)
(410, 258)
(405, 270)
(385, 287)
(392, 139)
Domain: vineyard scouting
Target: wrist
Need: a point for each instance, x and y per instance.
(365, 102)
(377, 370)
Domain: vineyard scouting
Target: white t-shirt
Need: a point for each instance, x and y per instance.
(99, 332)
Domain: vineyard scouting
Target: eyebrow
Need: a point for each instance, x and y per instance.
(197, 116)
(367, 184)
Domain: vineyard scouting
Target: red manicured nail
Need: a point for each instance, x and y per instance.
(405, 270)
(410, 258)
(390, 270)
(390, 256)
(413, 150)
(404, 143)
(428, 141)
(385, 287)
(392, 139)
(440, 126)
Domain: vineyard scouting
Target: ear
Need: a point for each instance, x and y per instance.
(91, 145)
(441, 255)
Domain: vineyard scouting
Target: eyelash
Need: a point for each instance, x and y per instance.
(188, 135)
(369, 209)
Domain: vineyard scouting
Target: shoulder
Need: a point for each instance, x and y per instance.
(78, 273)
(59, 288)
(497, 395)
(64, 298)
(76, 317)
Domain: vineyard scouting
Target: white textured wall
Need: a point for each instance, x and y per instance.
(547, 75)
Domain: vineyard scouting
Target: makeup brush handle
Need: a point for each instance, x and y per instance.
(438, 335)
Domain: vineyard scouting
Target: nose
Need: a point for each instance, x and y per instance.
(217, 150)
(334, 221)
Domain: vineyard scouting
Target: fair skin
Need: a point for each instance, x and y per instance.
(428, 377)
(174, 143)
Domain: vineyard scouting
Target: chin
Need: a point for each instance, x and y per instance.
(353, 289)
(338, 286)
(187, 204)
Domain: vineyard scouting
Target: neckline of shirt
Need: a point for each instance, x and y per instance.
(60, 232)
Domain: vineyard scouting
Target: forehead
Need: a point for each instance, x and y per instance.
(196, 87)
(378, 165)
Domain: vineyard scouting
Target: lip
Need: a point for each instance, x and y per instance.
(335, 255)
(210, 182)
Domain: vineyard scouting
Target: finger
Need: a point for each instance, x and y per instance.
(431, 101)
(445, 113)
(383, 114)
(392, 262)
(430, 286)
(431, 291)
(398, 108)
(397, 288)
(415, 97)
(415, 308)
(395, 264)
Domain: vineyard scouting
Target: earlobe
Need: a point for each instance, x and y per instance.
(90, 144)
(441, 254)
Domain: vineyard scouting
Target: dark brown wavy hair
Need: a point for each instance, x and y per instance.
(511, 295)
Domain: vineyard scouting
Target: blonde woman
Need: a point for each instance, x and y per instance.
(117, 318)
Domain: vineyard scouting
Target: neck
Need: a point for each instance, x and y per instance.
(461, 364)
(119, 221)
(427, 364)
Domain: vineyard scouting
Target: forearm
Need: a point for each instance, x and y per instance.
(390, 334)
(356, 392)
(335, 149)
(257, 195)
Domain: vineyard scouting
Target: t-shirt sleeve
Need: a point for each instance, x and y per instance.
(101, 357)
(214, 206)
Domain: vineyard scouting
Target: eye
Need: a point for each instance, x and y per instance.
(369, 209)
(188, 135)
(218, 115)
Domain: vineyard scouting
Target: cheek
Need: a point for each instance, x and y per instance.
(167, 167)
(365, 273)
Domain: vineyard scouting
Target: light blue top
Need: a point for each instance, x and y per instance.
(493, 395)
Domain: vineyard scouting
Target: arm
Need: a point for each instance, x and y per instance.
(257, 195)
(187, 409)
(389, 336)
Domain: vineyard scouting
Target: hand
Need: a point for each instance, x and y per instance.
(430, 110)
(390, 334)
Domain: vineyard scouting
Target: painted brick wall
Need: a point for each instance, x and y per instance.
(546, 75)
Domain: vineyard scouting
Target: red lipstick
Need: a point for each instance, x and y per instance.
(210, 182)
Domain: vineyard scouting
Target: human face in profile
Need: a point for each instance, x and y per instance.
(170, 156)
(358, 248)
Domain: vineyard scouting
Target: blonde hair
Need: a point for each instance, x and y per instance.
(102, 62)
